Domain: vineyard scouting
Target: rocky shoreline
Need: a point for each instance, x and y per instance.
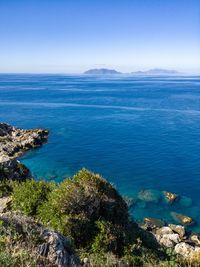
(174, 236)
(13, 143)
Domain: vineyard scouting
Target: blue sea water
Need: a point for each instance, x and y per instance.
(138, 132)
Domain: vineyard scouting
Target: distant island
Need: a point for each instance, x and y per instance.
(156, 72)
(101, 71)
(114, 72)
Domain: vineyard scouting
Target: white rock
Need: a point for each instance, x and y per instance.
(165, 230)
(169, 240)
(185, 249)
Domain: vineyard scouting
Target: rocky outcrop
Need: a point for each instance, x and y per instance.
(49, 246)
(57, 249)
(166, 237)
(175, 237)
(13, 143)
(14, 170)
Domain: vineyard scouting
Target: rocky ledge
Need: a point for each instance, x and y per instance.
(13, 143)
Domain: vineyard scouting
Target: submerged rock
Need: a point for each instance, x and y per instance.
(183, 219)
(149, 195)
(170, 197)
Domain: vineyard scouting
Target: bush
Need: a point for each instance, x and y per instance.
(29, 195)
(6, 187)
(101, 199)
(74, 207)
(110, 238)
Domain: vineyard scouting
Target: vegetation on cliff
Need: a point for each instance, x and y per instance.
(85, 209)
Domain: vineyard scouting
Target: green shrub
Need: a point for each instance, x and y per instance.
(102, 199)
(6, 187)
(29, 195)
(77, 203)
(109, 238)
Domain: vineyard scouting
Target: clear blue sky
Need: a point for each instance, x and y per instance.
(74, 35)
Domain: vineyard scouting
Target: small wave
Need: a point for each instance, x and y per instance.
(77, 105)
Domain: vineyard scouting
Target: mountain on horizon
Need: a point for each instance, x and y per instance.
(104, 71)
(101, 71)
(156, 72)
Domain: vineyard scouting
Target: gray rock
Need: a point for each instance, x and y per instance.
(4, 203)
(57, 249)
(179, 229)
(168, 240)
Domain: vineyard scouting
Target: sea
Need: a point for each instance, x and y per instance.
(140, 133)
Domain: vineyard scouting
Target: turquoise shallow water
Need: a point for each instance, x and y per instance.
(138, 132)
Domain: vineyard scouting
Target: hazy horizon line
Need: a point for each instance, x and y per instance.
(134, 73)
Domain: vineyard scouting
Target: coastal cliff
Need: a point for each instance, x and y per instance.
(83, 221)
(13, 143)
